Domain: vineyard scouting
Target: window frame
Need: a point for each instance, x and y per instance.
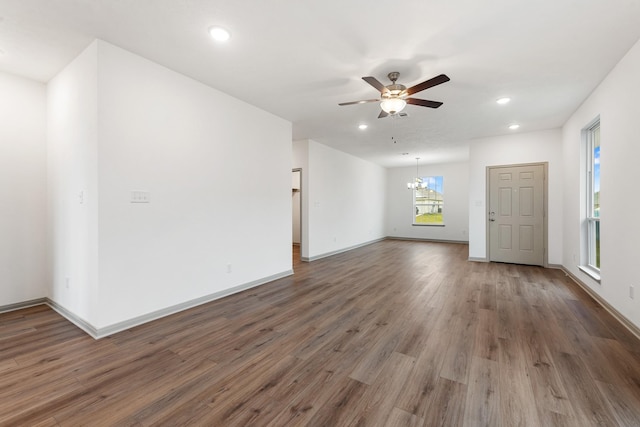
(592, 192)
(440, 203)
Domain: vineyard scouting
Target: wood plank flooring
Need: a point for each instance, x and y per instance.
(392, 334)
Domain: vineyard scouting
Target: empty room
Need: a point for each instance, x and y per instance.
(296, 213)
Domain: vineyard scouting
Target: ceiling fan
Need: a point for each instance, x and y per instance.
(396, 96)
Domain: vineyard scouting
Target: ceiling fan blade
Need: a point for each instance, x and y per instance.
(438, 80)
(375, 83)
(382, 114)
(423, 102)
(359, 102)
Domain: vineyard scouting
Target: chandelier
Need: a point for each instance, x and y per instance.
(417, 182)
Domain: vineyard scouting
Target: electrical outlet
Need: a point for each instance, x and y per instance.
(229, 267)
(631, 292)
(66, 282)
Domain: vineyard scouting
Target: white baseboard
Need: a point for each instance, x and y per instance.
(76, 320)
(20, 305)
(98, 333)
(615, 313)
(419, 239)
(476, 259)
(128, 324)
(339, 251)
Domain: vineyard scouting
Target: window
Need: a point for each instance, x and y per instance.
(593, 196)
(428, 201)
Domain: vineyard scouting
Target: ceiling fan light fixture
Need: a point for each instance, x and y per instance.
(393, 105)
(395, 97)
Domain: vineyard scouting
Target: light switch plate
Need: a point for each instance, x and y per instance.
(140, 197)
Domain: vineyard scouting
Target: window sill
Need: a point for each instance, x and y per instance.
(428, 225)
(594, 274)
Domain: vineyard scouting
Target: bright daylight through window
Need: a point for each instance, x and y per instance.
(593, 196)
(428, 201)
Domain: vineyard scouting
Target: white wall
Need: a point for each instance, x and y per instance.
(217, 170)
(23, 273)
(72, 160)
(219, 174)
(534, 147)
(400, 213)
(343, 199)
(616, 102)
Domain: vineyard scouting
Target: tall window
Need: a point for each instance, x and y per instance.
(428, 201)
(593, 195)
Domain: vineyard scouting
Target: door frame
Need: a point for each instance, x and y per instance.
(545, 189)
(301, 219)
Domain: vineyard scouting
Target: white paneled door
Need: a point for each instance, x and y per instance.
(516, 214)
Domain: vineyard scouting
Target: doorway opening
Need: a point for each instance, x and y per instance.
(296, 214)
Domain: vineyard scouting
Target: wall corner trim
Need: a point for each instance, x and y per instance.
(76, 320)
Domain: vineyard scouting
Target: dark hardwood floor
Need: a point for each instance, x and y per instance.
(391, 334)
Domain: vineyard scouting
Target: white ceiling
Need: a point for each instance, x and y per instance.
(299, 58)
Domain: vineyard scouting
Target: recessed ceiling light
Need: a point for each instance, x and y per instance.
(362, 126)
(503, 101)
(514, 126)
(219, 34)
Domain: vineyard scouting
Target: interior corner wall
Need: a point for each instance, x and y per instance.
(400, 213)
(218, 172)
(615, 100)
(72, 169)
(23, 271)
(519, 148)
(346, 201)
